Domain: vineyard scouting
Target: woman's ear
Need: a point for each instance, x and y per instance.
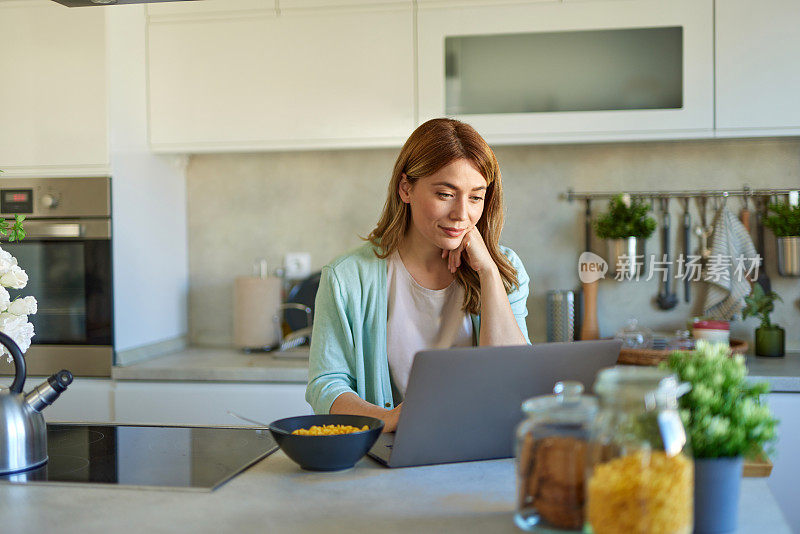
(404, 189)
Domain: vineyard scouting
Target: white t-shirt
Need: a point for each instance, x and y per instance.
(419, 319)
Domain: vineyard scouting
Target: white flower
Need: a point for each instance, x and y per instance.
(23, 306)
(718, 426)
(17, 328)
(7, 261)
(14, 315)
(5, 299)
(16, 278)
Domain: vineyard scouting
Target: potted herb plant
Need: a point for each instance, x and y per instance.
(725, 422)
(785, 224)
(625, 227)
(770, 338)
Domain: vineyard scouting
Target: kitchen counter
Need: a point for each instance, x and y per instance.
(231, 365)
(222, 365)
(783, 374)
(277, 496)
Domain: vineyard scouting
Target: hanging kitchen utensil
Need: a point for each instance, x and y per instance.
(744, 215)
(23, 432)
(687, 248)
(761, 211)
(666, 299)
(703, 231)
(589, 327)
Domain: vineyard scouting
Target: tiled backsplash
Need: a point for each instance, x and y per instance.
(245, 206)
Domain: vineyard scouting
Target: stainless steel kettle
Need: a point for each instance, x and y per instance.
(23, 432)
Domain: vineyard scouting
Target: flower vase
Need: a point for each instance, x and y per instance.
(717, 483)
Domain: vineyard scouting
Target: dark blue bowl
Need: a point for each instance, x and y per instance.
(326, 453)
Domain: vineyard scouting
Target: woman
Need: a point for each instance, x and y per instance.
(431, 276)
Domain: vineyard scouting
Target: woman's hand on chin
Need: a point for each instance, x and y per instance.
(474, 250)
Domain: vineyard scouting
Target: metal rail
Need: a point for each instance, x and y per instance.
(746, 192)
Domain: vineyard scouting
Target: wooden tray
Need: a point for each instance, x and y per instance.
(654, 357)
(757, 467)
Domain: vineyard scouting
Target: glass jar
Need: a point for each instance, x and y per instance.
(640, 473)
(551, 447)
(634, 336)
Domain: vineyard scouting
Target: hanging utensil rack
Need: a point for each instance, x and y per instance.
(746, 192)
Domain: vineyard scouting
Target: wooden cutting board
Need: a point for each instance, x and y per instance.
(757, 467)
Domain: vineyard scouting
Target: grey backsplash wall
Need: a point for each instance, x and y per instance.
(245, 206)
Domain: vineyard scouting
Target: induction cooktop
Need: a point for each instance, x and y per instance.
(153, 457)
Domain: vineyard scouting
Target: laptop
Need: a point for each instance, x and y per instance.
(464, 404)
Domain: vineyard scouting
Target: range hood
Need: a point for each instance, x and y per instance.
(85, 3)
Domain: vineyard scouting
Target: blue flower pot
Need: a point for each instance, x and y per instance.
(716, 494)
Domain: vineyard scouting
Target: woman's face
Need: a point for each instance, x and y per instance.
(445, 204)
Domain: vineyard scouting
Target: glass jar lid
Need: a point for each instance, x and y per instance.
(567, 404)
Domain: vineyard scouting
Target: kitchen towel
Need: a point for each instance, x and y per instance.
(732, 254)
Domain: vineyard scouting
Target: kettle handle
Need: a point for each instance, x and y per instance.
(19, 363)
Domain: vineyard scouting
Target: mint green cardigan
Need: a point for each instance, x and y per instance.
(348, 342)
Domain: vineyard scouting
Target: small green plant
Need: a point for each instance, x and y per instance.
(622, 220)
(722, 414)
(760, 304)
(13, 232)
(786, 220)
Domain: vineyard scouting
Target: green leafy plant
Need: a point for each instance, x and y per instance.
(622, 221)
(722, 413)
(13, 232)
(786, 220)
(760, 304)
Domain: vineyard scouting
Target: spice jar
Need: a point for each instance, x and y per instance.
(640, 474)
(551, 448)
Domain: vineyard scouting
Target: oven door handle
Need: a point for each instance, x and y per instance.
(66, 229)
(41, 230)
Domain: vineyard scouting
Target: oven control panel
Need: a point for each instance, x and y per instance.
(51, 198)
(16, 201)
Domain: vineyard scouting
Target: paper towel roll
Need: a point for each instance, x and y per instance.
(255, 304)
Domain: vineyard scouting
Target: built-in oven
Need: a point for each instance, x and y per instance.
(67, 256)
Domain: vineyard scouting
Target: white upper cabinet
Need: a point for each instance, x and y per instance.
(53, 91)
(576, 71)
(758, 75)
(234, 75)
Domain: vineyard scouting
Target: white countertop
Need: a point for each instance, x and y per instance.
(783, 374)
(232, 365)
(221, 364)
(275, 495)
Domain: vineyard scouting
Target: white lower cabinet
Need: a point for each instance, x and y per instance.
(96, 400)
(88, 400)
(206, 403)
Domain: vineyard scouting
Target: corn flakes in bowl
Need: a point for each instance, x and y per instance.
(326, 442)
